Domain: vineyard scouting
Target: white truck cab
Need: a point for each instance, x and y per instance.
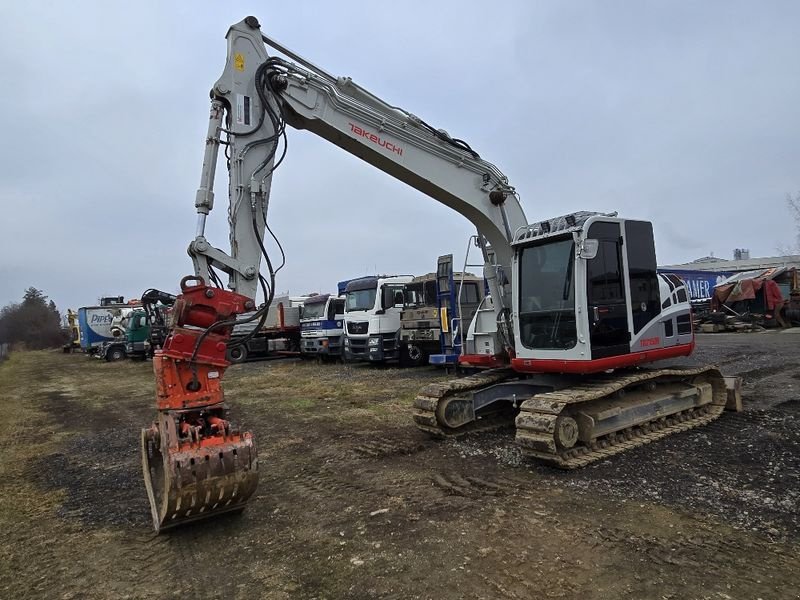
(322, 326)
(372, 318)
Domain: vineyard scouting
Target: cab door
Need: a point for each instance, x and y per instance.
(609, 332)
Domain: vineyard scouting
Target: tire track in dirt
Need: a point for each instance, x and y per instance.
(739, 560)
(381, 447)
(471, 486)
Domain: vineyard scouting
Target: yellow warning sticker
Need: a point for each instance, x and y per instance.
(238, 61)
(445, 324)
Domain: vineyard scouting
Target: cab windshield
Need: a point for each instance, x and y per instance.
(314, 311)
(547, 295)
(361, 299)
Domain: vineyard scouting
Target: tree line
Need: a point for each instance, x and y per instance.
(34, 323)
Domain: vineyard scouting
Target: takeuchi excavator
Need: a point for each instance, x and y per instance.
(577, 307)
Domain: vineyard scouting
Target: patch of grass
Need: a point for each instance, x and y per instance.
(27, 434)
(331, 391)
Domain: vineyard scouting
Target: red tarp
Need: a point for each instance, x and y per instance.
(746, 289)
(772, 294)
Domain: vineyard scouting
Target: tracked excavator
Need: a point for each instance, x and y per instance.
(577, 307)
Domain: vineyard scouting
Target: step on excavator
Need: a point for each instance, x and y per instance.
(577, 308)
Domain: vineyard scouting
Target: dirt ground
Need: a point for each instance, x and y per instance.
(353, 502)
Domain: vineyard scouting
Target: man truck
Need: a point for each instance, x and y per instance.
(372, 318)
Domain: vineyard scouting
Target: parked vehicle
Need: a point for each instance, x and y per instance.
(74, 329)
(97, 323)
(131, 336)
(372, 318)
(435, 306)
(322, 326)
(279, 335)
(137, 336)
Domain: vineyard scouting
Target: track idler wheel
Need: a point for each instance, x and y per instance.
(199, 480)
(566, 432)
(455, 412)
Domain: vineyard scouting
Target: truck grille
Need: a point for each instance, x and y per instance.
(357, 328)
(358, 348)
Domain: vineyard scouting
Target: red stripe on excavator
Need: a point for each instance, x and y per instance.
(534, 365)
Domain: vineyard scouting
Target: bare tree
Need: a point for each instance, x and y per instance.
(793, 204)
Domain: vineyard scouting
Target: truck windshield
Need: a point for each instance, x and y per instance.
(313, 311)
(420, 294)
(361, 299)
(547, 295)
(414, 295)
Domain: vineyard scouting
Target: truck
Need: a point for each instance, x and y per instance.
(372, 318)
(137, 335)
(322, 326)
(278, 336)
(74, 330)
(97, 324)
(130, 331)
(434, 307)
(114, 349)
(139, 331)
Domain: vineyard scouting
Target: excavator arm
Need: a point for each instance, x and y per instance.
(195, 462)
(263, 94)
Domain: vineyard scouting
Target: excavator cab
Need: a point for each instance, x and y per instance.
(590, 299)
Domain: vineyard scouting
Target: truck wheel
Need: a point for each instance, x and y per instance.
(413, 356)
(115, 354)
(237, 354)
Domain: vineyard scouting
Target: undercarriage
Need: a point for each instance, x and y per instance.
(567, 422)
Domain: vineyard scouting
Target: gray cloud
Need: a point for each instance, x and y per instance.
(683, 113)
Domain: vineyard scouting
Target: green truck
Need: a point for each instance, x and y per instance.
(131, 339)
(137, 336)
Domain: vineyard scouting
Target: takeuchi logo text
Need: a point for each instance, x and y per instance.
(375, 139)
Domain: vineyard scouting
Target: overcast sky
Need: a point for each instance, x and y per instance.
(684, 113)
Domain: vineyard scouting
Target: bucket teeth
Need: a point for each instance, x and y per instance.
(186, 485)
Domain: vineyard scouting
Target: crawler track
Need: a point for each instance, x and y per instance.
(430, 400)
(536, 422)
(537, 419)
